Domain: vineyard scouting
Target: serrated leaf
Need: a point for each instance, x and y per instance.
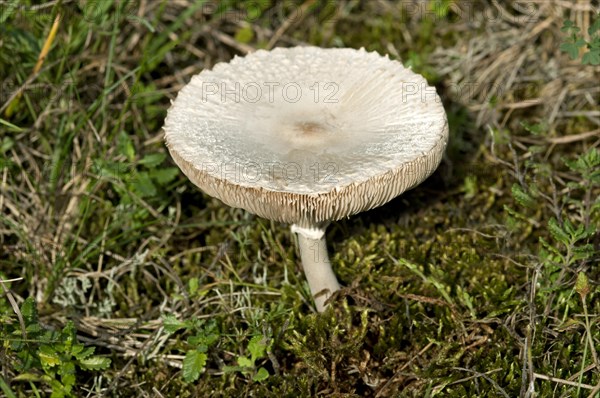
(551, 251)
(48, 356)
(261, 374)
(582, 252)
(172, 324)
(193, 363)
(94, 363)
(84, 353)
(522, 197)
(557, 232)
(76, 349)
(569, 228)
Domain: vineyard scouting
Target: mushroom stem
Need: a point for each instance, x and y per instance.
(315, 262)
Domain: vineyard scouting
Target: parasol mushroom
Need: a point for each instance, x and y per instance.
(307, 136)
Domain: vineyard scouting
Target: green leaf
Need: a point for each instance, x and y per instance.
(164, 176)
(522, 197)
(143, 185)
(48, 356)
(82, 353)
(557, 232)
(67, 372)
(257, 347)
(202, 340)
(27, 377)
(245, 362)
(7, 143)
(569, 25)
(193, 363)
(11, 126)
(29, 311)
(94, 363)
(589, 161)
(569, 228)
(535, 129)
(582, 252)
(117, 171)
(571, 49)
(591, 57)
(58, 390)
(244, 35)
(152, 160)
(172, 324)
(205, 337)
(125, 146)
(550, 251)
(68, 336)
(193, 286)
(261, 375)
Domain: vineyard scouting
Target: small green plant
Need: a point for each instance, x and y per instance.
(575, 42)
(203, 336)
(258, 348)
(570, 236)
(32, 348)
(144, 177)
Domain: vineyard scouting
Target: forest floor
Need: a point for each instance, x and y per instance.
(120, 278)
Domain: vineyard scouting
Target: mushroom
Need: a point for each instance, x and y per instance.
(307, 136)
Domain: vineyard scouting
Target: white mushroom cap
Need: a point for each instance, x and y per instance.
(307, 135)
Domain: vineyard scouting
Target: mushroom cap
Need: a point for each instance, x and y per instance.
(307, 135)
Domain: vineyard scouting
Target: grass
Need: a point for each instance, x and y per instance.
(119, 278)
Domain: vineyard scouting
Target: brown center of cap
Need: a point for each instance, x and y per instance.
(309, 128)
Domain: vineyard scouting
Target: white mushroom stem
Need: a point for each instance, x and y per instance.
(315, 262)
